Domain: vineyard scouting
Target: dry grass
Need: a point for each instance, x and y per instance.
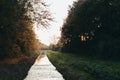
(16, 68)
(13, 60)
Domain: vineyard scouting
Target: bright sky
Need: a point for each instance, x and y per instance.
(59, 9)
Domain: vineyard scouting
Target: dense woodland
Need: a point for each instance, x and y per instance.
(91, 32)
(16, 26)
(92, 28)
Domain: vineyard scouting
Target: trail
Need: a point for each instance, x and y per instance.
(43, 69)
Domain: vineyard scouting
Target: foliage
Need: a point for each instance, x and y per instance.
(16, 27)
(75, 67)
(39, 12)
(92, 28)
(55, 47)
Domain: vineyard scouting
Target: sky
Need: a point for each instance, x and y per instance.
(59, 10)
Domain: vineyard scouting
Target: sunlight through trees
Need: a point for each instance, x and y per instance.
(16, 26)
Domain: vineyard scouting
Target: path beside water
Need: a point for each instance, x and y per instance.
(43, 69)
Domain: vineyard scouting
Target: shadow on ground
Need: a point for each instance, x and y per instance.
(17, 71)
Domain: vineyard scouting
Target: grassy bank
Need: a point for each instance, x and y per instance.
(75, 67)
(16, 69)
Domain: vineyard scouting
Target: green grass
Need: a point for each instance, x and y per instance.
(74, 67)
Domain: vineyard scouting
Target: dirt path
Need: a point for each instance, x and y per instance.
(43, 69)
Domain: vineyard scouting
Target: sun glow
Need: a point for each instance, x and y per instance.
(59, 9)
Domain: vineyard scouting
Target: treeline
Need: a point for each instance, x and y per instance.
(16, 28)
(92, 28)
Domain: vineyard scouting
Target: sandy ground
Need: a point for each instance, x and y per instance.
(43, 69)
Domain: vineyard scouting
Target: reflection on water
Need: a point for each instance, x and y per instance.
(43, 69)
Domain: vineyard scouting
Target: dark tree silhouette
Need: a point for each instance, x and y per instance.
(93, 27)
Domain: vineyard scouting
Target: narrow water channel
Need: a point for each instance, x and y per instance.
(43, 69)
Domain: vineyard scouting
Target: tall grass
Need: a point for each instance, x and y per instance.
(75, 67)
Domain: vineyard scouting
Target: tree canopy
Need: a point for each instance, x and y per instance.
(39, 12)
(16, 26)
(93, 27)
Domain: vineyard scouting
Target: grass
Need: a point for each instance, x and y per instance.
(16, 69)
(74, 67)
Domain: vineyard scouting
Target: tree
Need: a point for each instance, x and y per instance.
(38, 12)
(16, 27)
(93, 26)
